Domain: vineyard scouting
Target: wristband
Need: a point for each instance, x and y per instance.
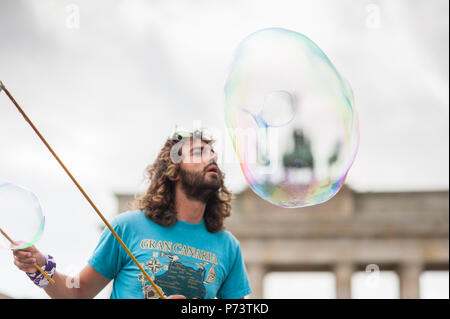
(49, 268)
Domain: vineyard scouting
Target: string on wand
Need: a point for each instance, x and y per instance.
(158, 290)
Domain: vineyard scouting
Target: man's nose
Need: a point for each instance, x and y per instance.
(211, 158)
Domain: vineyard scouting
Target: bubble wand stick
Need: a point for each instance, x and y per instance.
(160, 293)
(36, 265)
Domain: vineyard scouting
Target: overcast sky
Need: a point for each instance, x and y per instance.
(107, 81)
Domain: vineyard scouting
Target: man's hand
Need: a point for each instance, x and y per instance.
(176, 297)
(26, 259)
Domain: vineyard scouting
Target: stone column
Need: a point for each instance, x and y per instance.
(343, 272)
(256, 273)
(409, 275)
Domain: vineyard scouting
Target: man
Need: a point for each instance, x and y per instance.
(176, 233)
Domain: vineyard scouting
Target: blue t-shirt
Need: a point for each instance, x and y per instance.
(182, 259)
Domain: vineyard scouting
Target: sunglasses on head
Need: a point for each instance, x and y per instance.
(179, 135)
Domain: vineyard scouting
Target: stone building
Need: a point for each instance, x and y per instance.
(406, 232)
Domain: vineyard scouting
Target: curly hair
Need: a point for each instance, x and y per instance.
(158, 202)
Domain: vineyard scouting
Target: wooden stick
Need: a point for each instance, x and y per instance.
(160, 293)
(6, 236)
(36, 265)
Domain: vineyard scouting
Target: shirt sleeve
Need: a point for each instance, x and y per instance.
(107, 257)
(236, 284)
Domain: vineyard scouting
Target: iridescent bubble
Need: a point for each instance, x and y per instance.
(21, 217)
(291, 118)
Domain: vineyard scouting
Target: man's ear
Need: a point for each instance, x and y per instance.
(175, 179)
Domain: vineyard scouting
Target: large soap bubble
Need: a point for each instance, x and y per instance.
(21, 217)
(291, 118)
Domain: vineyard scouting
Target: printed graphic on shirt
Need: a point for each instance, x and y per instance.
(174, 274)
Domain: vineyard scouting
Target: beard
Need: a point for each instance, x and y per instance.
(198, 186)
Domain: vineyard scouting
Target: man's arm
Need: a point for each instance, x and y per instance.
(91, 282)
